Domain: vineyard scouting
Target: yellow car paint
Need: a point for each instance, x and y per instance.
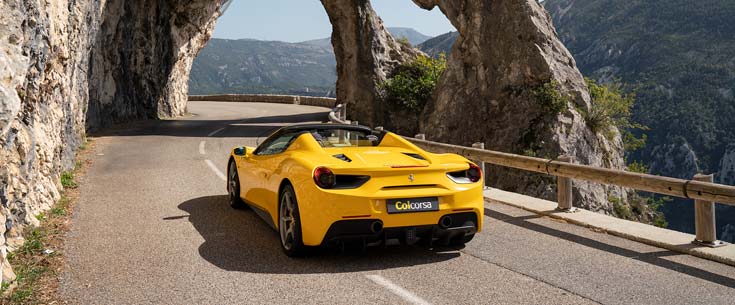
(261, 178)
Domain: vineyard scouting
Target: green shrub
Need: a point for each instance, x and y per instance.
(638, 167)
(550, 98)
(611, 109)
(67, 180)
(404, 41)
(411, 85)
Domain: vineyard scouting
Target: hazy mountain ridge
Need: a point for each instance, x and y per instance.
(255, 66)
(413, 36)
(439, 44)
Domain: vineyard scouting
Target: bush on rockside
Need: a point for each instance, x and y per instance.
(411, 84)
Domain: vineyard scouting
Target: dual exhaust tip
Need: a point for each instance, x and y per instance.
(377, 226)
(445, 222)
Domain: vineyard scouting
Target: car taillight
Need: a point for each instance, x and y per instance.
(470, 175)
(474, 173)
(324, 177)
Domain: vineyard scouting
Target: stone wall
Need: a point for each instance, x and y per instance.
(268, 98)
(126, 59)
(496, 90)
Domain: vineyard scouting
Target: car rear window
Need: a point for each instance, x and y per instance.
(344, 138)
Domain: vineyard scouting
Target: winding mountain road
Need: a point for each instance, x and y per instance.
(153, 226)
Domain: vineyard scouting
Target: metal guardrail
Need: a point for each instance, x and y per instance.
(701, 188)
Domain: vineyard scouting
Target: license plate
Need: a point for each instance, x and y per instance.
(411, 205)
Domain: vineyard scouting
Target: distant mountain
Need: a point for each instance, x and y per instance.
(679, 56)
(413, 36)
(439, 44)
(255, 66)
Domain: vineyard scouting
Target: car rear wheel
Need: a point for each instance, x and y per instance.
(233, 186)
(289, 223)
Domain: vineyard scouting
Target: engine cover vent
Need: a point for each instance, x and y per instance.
(342, 157)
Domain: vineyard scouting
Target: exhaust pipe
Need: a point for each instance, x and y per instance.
(445, 222)
(376, 227)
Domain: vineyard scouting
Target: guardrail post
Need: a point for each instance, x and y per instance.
(338, 111)
(480, 145)
(564, 190)
(343, 112)
(421, 136)
(355, 123)
(704, 218)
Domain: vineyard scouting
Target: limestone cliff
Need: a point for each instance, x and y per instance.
(504, 76)
(66, 65)
(365, 53)
(142, 58)
(127, 59)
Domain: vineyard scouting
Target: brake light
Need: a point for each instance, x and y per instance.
(324, 177)
(470, 175)
(474, 173)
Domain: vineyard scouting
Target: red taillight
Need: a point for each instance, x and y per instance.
(474, 173)
(324, 177)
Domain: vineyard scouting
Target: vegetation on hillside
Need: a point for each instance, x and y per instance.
(611, 111)
(679, 55)
(411, 85)
(268, 67)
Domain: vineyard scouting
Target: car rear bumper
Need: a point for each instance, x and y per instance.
(320, 215)
(450, 228)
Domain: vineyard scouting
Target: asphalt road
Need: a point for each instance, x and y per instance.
(153, 227)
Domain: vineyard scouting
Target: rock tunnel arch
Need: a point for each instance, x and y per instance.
(87, 64)
(506, 49)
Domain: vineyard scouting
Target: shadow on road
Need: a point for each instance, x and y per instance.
(239, 240)
(654, 258)
(248, 128)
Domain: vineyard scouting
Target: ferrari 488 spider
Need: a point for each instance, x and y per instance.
(320, 184)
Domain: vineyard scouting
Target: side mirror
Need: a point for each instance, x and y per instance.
(240, 151)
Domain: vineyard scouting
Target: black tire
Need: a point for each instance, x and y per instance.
(233, 187)
(289, 223)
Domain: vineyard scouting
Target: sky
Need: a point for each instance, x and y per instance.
(300, 20)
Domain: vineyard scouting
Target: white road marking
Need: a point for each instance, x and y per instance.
(215, 170)
(397, 290)
(216, 132)
(201, 148)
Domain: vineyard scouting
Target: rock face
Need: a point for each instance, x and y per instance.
(505, 59)
(681, 65)
(676, 160)
(140, 57)
(66, 65)
(365, 53)
(726, 174)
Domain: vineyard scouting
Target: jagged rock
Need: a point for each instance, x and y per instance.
(507, 50)
(676, 160)
(365, 53)
(141, 53)
(142, 58)
(726, 174)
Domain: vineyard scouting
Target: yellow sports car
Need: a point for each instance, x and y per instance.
(320, 184)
